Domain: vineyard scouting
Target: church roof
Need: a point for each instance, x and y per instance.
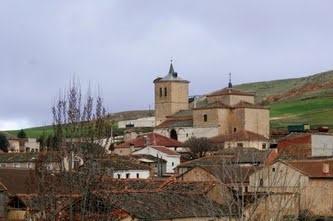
(230, 91)
(176, 123)
(151, 139)
(238, 136)
(171, 76)
(220, 104)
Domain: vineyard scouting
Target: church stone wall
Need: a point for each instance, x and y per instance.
(175, 100)
(257, 121)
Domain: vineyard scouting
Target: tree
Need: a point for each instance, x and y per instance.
(199, 146)
(21, 134)
(80, 129)
(4, 144)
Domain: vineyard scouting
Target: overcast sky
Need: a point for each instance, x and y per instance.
(121, 46)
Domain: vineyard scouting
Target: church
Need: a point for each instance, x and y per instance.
(223, 112)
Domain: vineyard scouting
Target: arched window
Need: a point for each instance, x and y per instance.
(173, 134)
(205, 117)
(165, 91)
(161, 92)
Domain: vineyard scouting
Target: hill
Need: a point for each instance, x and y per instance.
(298, 100)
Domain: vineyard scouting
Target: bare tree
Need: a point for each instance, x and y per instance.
(80, 129)
(199, 146)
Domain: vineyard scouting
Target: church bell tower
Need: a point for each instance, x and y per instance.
(171, 95)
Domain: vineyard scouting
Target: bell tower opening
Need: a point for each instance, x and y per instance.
(173, 134)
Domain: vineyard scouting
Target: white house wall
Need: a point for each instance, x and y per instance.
(172, 160)
(141, 122)
(184, 133)
(322, 145)
(143, 174)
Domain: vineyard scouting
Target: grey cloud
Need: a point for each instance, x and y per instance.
(121, 46)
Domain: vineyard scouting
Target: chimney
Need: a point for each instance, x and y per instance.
(146, 140)
(326, 168)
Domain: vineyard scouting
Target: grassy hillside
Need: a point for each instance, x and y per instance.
(299, 100)
(34, 132)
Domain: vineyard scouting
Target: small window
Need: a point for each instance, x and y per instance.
(235, 129)
(205, 117)
(161, 92)
(261, 182)
(239, 144)
(138, 175)
(263, 146)
(172, 163)
(118, 176)
(127, 175)
(273, 169)
(165, 91)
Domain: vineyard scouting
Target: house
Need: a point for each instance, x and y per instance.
(241, 139)
(121, 167)
(150, 205)
(241, 156)
(222, 112)
(310, 180)
(12, 182)
(52, 160)
(28, 160)
(172, 158)
(144, 140)
(140, 122)
(305, 145)
(157, 164)
(23, 145)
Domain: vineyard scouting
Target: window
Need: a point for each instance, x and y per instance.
(165, 91)
(138, 175)
(235, 129)
(172, 163)
(127, 175)
(263, 146)
(239, 144)
(273, 169)
(261, 182)
(118, 176)
(161, 92)
(205, 117)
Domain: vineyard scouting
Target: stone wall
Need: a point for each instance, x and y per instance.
(175, 100)
(257, 121)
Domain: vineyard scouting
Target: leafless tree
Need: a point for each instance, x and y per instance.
(81, 132)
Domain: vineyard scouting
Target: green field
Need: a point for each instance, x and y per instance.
(34, 132)
(315, 111)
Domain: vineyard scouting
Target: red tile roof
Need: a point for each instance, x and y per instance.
(165, 150)
(313, 168)
(151, 139)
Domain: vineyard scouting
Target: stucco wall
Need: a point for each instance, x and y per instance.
(278, 178)
(318, 197)
(143, 174)
(255, 144)
(273, 207)
(184, 133)
(322, 145)
(172, 160)
(141, 122)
